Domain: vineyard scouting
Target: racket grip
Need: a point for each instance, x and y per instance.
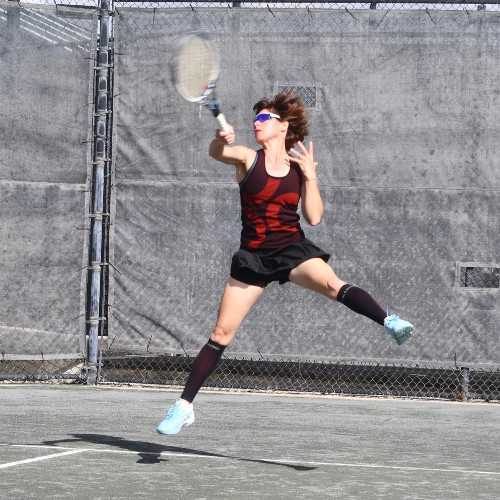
(221, 120)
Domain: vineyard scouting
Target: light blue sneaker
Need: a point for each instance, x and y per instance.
(397, 328)
(176, 418)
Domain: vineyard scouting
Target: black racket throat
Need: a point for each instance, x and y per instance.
(214, 108)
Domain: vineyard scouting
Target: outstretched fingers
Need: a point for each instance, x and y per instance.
(305, 159)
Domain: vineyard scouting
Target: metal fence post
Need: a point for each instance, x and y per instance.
(99, 215)
(465, 383)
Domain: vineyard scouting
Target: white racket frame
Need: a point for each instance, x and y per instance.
(209, 88)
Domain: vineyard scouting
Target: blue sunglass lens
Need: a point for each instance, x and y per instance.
(262, 117)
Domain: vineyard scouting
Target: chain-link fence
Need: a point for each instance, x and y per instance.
(402, 98)
(326, 378)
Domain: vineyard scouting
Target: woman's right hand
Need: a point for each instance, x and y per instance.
(225, 137)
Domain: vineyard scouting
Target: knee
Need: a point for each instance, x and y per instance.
(334, 285)
(332, 288)
(221, 336)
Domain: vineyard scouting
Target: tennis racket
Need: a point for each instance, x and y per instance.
(195, 70)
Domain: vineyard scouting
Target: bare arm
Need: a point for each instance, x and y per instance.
(239, 156)
(312, 204)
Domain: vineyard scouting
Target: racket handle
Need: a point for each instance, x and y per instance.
(221, 120)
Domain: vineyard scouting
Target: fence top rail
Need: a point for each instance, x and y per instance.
(398, 5)
(315, 4)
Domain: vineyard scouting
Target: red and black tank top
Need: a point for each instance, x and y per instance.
(269, 206)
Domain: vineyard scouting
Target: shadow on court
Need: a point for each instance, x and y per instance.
(69, 441)
(150, 453)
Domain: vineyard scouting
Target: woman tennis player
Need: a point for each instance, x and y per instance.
(273, 246)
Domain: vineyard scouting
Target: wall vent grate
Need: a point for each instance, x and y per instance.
(478, 276)
(308, 93)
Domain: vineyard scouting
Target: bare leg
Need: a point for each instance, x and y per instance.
(237, 300)
(317, 275)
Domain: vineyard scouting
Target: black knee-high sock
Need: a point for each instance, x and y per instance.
(362, 302)
(203, 367)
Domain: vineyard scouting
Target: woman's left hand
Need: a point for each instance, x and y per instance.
(305, 159)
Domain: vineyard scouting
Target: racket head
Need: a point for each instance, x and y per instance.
(195, 66)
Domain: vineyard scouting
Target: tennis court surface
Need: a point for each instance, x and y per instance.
(69, 441)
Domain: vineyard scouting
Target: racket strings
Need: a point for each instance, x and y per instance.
(197, 69)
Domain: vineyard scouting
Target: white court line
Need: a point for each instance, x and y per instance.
(242, 459)
(37, 459)
(330, 464)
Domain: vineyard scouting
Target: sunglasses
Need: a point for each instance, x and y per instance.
(262, 117)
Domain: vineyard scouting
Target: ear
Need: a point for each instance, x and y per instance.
(284, 126)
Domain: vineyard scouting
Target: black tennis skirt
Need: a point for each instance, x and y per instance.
(261, 267)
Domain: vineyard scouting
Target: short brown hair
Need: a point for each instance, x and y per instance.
(291, 109)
